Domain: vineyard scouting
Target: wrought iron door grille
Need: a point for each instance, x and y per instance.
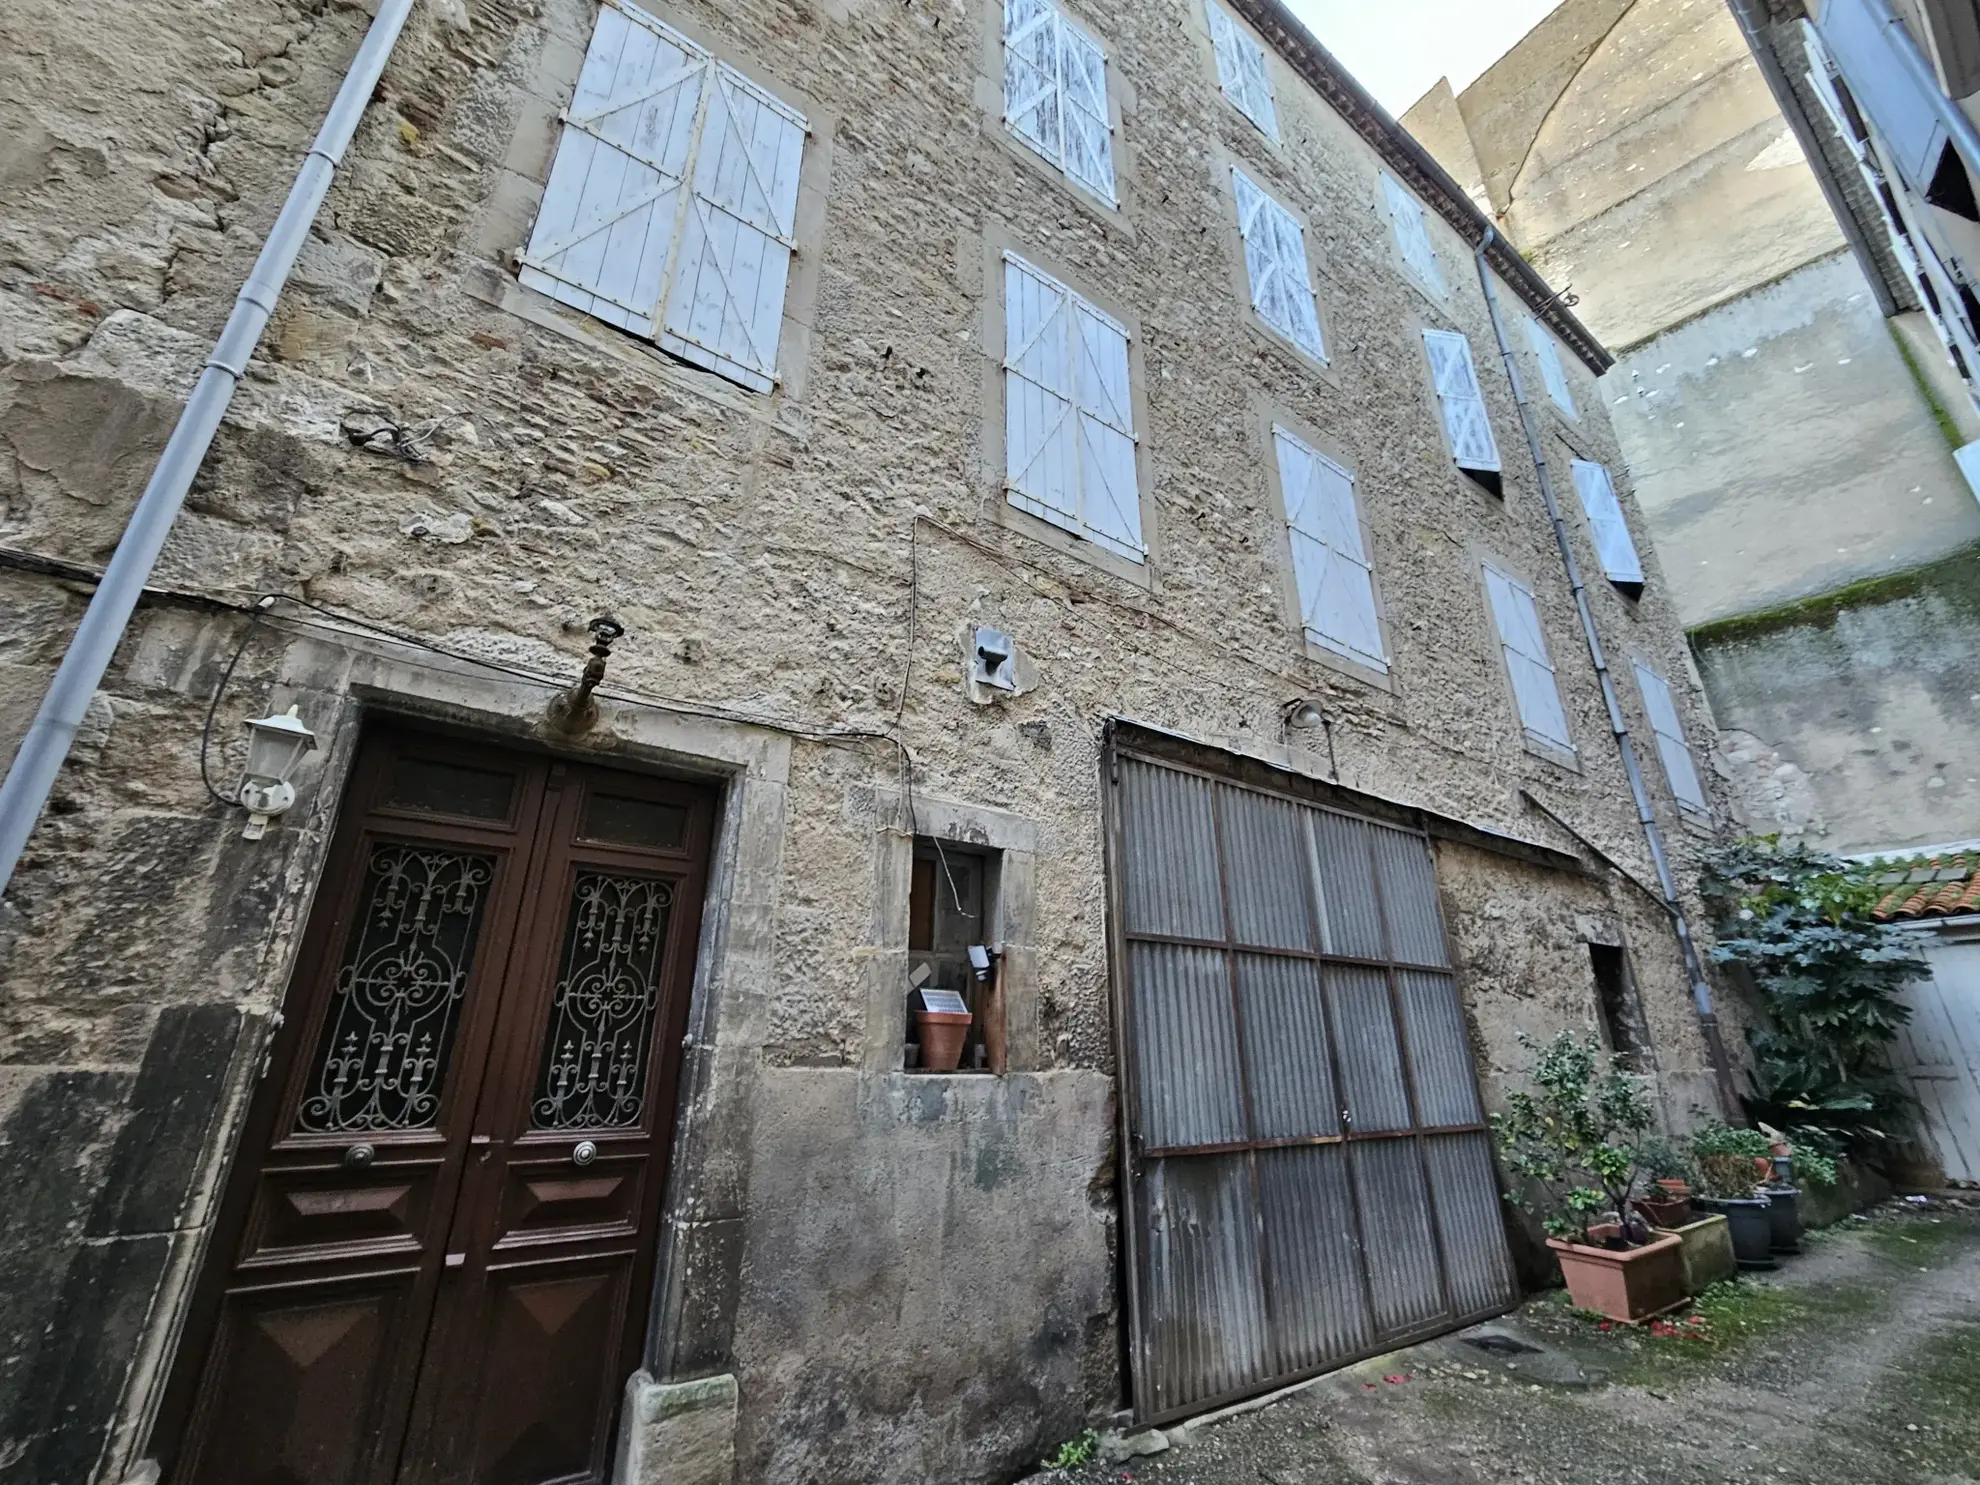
(1312, 1178)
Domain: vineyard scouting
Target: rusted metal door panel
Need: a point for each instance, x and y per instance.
(1309, 1179)
(444, 1217)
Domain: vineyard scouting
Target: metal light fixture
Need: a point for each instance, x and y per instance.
(1303, 715)
(275, 746)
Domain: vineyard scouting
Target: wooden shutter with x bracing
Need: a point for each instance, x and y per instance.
(671, 208)
(1241, 70)
(1069, 412)
(1055, 94)
(1606, 523)
(1413, 236)
(1330, 561)
(1275, 259)
(1679, 768)
(1525, 648)
(1465, 418)
(1551, 371)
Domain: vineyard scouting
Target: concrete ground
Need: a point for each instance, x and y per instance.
(1856, 1364)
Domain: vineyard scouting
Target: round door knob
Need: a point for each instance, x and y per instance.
(359, 1156)
(584, 1154)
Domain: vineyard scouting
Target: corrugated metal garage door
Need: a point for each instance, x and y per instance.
(1310, 1178)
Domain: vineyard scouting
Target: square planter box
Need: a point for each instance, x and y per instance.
(1628, 1286)
(1708, 1252)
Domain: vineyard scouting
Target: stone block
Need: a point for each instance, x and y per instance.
(678, 1433)
(1708, 1252)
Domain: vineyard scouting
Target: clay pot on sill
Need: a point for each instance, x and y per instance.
(1629, 1284)
(942, 1036)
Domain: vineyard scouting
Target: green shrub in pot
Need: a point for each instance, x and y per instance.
(1572, 1140)
(1726, 1160)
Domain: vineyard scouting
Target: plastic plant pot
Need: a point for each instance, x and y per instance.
(942, 1036)
(1629, 1285)
(1784, 1219)
(1752, 1227)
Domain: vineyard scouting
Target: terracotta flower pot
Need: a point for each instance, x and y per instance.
(1674, 1186)
(1664, 1210)
(942, 1036)
(1629, 1285)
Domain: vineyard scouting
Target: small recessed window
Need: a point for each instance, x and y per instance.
(1413, 236)
(1680, 770)
(951, 900)
(1615, 999)
(1524, 643)
(1552, 372)
(1241, 70)
(1613, 543)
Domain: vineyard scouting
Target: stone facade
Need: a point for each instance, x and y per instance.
(1783, 401)
(908, 1278)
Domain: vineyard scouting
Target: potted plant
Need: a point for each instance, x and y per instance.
(1572, 1142)
(1667, 1204)
(1731, 1180)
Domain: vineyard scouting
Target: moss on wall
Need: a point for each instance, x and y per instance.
(1956, 579)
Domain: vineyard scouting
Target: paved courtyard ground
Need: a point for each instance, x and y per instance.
(1856, 1364)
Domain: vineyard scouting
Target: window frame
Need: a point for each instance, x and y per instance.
(1229, 167)
(1545, 352)
(1271, 128)
(1699, 810)
(1487, 479)
(1271, 420)
(1111, 203)
(1623, 585)
(1394, 193)
(1535, 742)
(999, 244)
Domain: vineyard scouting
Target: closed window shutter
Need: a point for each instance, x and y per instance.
(1525, 647)
(671, 208)
(1465, 418)
(1413, 236)
(727, 307)
(1679, 769)
(1241, 70)
(1330, 562)
(1551, 371)
(1605, 521)
(605, 232)
(1275, 259)
(1055, 93)
(1069, 413)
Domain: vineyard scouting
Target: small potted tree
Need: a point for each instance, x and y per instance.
(1667, 1204)
(1730, 1166)
(1571, 1144)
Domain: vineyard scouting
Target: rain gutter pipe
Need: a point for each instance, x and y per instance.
(1694, 968)
(53, 731)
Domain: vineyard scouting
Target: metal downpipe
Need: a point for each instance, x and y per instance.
(49, 738)
(1701, 989)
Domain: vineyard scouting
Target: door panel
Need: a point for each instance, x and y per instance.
(448, 1198)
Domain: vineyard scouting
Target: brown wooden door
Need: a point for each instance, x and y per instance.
(434, 1254)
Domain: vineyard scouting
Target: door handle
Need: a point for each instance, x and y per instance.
(584, 1154)
(456, 1260)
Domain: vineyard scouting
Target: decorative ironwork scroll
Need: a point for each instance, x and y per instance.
(382, 1063)
(599, 1046)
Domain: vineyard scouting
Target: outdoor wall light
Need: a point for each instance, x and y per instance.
(275, 746)
(1303, 715)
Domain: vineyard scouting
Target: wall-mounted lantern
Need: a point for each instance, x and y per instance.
(275, 746)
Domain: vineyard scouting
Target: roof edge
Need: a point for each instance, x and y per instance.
(1298, 47)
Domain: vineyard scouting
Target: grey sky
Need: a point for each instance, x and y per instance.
(1399, 48)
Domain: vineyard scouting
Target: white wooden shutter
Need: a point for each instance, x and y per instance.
(1606, 523)
(726, 308)
(1679, 769)
(1069, 412)
(1055, 93)
(1275, 259)
(1465, 418)
(1330, 561)
(605, 232)
(1241, 70)
(1551, 371)
(1413, 235)
(1525, 647)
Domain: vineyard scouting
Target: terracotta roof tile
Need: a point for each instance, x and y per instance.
(1941, 887)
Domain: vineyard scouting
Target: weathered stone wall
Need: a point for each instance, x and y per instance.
(413, 453)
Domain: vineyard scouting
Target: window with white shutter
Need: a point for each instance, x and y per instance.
(1606, 524)
(1241, 70)
(671, 208)
(1330, 561)
(1055, 93)
(1275, 259)
(1552, 373)
(1413, 236)
(1532, 673)
(1069, 443)
(1679, 768)
(1466, 422)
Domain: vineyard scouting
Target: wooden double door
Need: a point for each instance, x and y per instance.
(434, 1255)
